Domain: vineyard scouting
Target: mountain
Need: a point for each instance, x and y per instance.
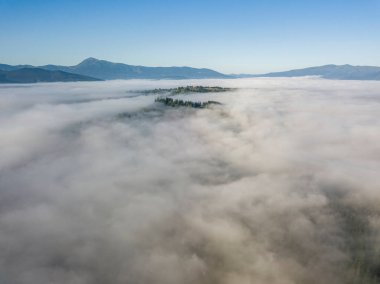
(339, 72)
(108, 70)
(92, 68)
(34, 75)
(6, 67)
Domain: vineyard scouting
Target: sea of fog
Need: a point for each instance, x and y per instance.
(280, 184)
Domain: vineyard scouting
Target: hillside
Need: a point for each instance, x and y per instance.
(35, 75)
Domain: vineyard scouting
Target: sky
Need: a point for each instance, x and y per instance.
(239, 36)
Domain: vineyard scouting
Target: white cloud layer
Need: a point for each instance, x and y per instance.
(280, 184)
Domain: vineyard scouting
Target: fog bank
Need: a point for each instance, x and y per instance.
(280, 184)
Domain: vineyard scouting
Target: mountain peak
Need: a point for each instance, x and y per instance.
(90, 60)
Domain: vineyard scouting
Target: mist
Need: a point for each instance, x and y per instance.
(280, 184)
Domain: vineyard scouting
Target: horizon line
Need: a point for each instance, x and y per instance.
(188, 66)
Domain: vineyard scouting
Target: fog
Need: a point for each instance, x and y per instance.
(280, 184)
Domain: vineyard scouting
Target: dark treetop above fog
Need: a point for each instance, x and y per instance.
(187, 90)
(104, 70)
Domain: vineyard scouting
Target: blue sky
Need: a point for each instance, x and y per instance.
(232, 36)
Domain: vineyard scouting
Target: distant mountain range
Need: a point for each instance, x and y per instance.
(338, 72)
(35, 75)
(92, 69)
(106, 70)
